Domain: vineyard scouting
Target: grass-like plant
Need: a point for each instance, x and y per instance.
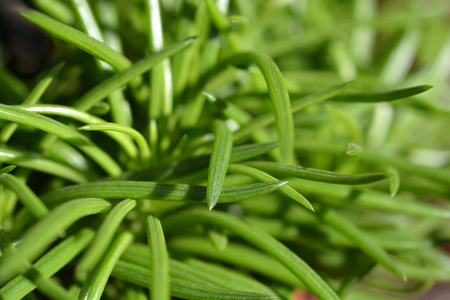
(200, 149)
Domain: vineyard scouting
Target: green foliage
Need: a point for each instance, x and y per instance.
(214, 116)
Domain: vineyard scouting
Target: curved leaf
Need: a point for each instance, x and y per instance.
(62, 131)
(279, 97)
(261, 240)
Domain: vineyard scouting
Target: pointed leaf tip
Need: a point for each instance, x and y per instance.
(7, 169)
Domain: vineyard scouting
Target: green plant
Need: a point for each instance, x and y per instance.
(203, 149)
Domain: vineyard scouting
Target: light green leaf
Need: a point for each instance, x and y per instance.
(25, 194)
(261, 240)
(37, 162)
(182, 288)
(96, 281)
(159, 287)
(79, 115)
(49, 264)
(364, 242)
(62, 131)
(260, 175)
(108, 86)
(279, 97)
(36, 239)
(136, 135)
(218, 163)
(103, 237)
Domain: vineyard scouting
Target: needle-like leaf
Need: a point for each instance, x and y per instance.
(35, 161)
(62, 131)
(383, 96)
(279, 97)
(32, 98)
(180, 168)
(49, 264)
(78, 39)
(261, 240)
(260, 175)
(105, 88)
(43, 233)
(96, 281)
(182, 288)
(25, 194)
(296, 106)
(347, 228)
(136, 135)
(103, 237)
(157, 191)
(196, 271)
(159, 258)
(79, 115)
(314, 174)
(218, 162)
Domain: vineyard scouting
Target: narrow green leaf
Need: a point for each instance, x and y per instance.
(62, 131)
(364, 242)
(161, 76)
(261, 240)
(49, 264)
(157, 191)
(296, 106)
(88, 24)
(79, 115)
(136, 135)
(181, 168)
(438, 175)
(279, 97)
(182, 288)
(78, 39)
(260, 175)
(315, 174)
(105, 88)
(43, 233)
(96, 281)
(25, 194)
(103, 237)
(159, 258)
(200, 272)
(218, 163)
(37, 162)
(47, 286)
(7, 169)
(372, 199)
(32, 98)
(382, 96)
(237, 255)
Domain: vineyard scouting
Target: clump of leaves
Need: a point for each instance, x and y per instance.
(201, 149)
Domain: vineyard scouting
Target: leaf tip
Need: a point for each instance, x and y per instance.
(211, 206)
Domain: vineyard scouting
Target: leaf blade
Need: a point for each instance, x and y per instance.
(218, 163)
